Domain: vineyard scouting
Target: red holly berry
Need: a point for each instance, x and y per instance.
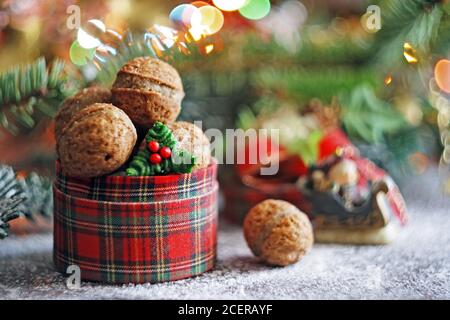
(165, 152)
(153, 146)
(155, 158)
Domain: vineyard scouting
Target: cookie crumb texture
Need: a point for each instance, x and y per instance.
(79, 101)
(97, 141)
(148, 90)
(192, 139)
(278, 232)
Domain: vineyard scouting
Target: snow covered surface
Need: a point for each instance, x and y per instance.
(416, 265)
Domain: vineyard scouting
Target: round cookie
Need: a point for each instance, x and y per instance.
(148, 90)
(278, 232)
(97, 141)
(192, 139)
(81, 100)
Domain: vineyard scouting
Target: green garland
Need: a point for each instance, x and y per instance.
(141, 166)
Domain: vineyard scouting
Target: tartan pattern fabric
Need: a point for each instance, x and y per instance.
(139, 189)
(141, 241)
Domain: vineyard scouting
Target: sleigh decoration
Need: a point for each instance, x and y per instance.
(367, 209)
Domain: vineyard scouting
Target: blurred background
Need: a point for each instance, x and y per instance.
(382, 73)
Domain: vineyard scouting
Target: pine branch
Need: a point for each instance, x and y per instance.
(140, 45)
(415, 21)
(9, 187)
(8, 211)
(393, 155)
(302, 85)
(38, 193)
(441, 45)
(340, 49)
(11, 197)
(128, 49)
(368, 118)
(23, 196)
(32, 92)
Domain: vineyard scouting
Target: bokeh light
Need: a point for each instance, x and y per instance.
(198, 32)
(162, 37)
(95, 25)
(87, 41)
(210, 45)
(112, 37)
(442, 74)
(88, 36)
(104, 52)
(388, 80)
(229, 5)
(212, 19)
(409, 53)
(255, 9)
(185, 16)
(80, 56)
(200, 4)
(209, 48)
(4, 19)
(195, 23)
(285, 22)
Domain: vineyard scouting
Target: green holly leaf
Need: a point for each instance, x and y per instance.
(140, 165)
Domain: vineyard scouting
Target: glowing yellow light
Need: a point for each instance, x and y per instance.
(157, 47)
(339, 151)
(229, 5)
(388, 80)
(165, 36)
(197, 33)
(442, 75)
(409, 53)
(410, 58)
(212, 19)
(209, 48)
(182, 47)
(407, 46)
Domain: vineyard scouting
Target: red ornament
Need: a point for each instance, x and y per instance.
(165, 152)
(155, 158)
(153, 146)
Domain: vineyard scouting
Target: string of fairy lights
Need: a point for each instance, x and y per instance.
(439, 88)
(199, 20)
(192, 22)
(439, 92)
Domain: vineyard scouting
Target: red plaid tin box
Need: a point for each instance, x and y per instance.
(121, 229)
